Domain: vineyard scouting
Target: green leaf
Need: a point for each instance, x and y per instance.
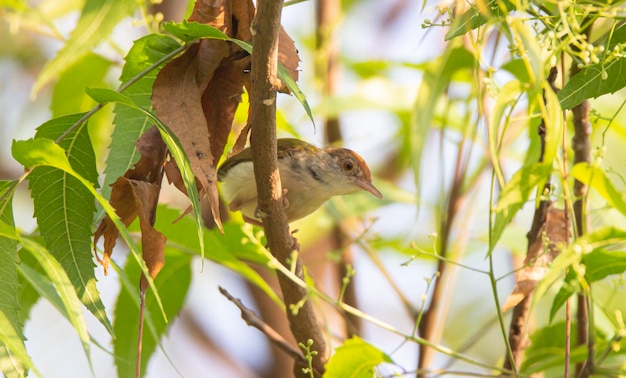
(473, 18)
(590, 83)
(189, 31)
(44, 153)
(8, 257)
(227, 250)
(130, 123)
(596, 178)
(355, 359)
(173, 284)
(286, 78)
(76, 144)
(64, 207)
(105, 95)
(552, 115)
(617, 37)
(526, 43)
(574, 254)
(97, 20)
(569, 287)
(514, 195)
(68, 95)
(39, 152)
(602, 263)
(14, 360)
(37, 278)
(27, 294)
(517, 68)
(65, 289)
(601, 237)
(547, 350)
(507, 98)
(35, 284)
(599, 264)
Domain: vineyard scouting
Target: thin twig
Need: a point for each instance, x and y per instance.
(142, 312)
(253, 320)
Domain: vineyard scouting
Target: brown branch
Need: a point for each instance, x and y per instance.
(303, 322)
(255, 321)
(280, 365)
(518, 328)
(581, 145)
(518, 338)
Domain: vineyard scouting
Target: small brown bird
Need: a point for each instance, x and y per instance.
(310, 176)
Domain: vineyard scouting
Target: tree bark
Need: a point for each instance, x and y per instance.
(519, 320)
(303, 322)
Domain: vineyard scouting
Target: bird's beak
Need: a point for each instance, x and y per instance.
(368, 186)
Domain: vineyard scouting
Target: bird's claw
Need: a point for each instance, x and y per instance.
(259, 214)
(285, 199)
(295, 245)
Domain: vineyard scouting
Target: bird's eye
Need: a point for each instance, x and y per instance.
(348, 166)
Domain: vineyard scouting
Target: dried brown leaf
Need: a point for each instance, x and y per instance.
(146, 196)
(211, 12)
(242, 139)
(288, 54)
(174, 177)
(132, 198)
(152, 152)
(107, 229)
(176, 98)
(555, 231)
(221, 99)
(243, 12)
(148, 169)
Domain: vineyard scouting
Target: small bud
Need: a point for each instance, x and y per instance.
(604, 75)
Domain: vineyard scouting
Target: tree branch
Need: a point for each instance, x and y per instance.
(581, 145)
(253, 320)
(518, 327)
(302, 320)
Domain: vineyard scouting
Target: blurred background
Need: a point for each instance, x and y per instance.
(370, 99)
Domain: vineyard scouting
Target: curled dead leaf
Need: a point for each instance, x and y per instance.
(288, 56)
(148, 171)
(132, 198)
(176, 97)
(211, 12)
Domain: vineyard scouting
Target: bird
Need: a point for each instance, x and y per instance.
(310, 176)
